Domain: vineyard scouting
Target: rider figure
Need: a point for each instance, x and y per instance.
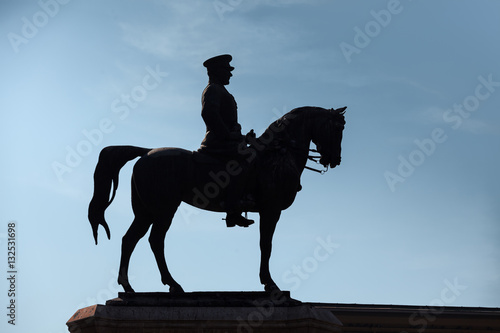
(223, 134)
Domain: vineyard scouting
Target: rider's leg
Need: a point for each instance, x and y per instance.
(233, 200)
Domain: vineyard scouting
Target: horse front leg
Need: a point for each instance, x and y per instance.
(268, 221)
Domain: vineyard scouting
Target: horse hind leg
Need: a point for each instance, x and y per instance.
(136, 231)
(157, 242)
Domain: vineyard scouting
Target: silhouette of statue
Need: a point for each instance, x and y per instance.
(163, 178)
(223, 136)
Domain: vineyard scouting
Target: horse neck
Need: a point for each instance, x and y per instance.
(292, 132)
(300, 139)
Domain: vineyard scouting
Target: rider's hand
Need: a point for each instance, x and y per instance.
(236, 136)
(250, 136)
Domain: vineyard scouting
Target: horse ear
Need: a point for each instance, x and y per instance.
(340, 111)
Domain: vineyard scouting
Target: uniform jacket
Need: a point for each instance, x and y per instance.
(219, 111)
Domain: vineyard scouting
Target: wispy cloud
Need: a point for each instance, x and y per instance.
(435, 115)
(417, 85)
(191, 34)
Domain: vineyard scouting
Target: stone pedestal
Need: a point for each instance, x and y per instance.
(214, 312)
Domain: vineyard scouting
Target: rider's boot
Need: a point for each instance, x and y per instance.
(235, 218)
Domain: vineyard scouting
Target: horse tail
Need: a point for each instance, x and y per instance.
(111, 160)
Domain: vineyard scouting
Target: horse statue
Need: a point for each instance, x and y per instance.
(163, 178)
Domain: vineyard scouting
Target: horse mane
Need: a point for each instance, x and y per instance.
(279, 136)
(278, 131)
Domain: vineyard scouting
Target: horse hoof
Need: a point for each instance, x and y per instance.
(176, 290)
(128, 289)
(271, 287)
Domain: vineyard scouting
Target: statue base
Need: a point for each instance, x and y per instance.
(214, 312)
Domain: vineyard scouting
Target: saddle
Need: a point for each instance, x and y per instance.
(206, 158)
(225, 167)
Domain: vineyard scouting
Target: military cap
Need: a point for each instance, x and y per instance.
(220, 61)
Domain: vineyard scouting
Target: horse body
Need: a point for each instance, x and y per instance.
(163, 178)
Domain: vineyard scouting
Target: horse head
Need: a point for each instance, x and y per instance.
(327, 136)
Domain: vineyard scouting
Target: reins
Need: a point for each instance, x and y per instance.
(315, 159)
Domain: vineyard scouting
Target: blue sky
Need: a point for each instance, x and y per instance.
(410, 216)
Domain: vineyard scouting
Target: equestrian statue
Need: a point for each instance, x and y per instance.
(231, 173)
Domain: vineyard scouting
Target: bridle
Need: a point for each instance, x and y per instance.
(315, 159)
